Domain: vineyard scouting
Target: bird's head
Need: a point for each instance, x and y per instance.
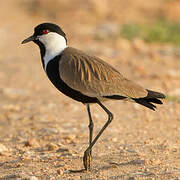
(47, 33)
(50, 38)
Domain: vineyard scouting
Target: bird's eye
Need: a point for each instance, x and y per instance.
(45, 31)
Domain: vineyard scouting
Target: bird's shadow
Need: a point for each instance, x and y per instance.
(111, 165)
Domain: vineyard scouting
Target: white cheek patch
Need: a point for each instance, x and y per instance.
(54, 45)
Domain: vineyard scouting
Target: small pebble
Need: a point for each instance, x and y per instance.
(60, 172)
(33, 178)
(51, 147)
(62, 150)
(3, 148)
(32, 143)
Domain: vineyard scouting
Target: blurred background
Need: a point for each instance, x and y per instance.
(120, 31)
(140, 38)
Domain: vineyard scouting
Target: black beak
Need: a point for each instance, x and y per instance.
(31, 38)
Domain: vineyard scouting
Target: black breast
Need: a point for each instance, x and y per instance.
(52, 71)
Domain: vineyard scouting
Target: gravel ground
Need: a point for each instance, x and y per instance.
(43, 134)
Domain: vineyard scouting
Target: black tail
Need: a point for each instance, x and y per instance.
(152, 97)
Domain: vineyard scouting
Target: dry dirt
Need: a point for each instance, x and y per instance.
(43, 134)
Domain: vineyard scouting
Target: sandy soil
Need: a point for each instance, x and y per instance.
(43, 134)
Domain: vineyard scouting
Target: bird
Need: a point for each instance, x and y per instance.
(86, 78)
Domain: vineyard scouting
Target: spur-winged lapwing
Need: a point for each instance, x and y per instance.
(86, 78)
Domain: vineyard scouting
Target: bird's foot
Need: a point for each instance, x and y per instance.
(87, 163)
(87, 160)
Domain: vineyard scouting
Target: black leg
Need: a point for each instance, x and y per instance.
(91, 125)
(87, 153)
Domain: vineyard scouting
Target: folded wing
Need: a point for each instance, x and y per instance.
(94, 77)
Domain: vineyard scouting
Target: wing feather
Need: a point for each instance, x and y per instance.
(94, 77)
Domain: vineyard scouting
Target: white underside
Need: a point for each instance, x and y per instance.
(54, 45)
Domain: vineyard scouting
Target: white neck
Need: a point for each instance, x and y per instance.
(54, 45)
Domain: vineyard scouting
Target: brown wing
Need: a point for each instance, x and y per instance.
(95, 78)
